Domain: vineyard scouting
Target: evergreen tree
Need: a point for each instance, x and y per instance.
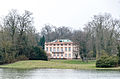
(42, 42)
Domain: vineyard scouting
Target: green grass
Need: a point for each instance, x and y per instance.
(74, 61)
(57, 64)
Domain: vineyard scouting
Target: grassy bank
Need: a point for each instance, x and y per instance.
(58, 64)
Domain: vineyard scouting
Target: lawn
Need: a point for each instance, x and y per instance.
(74, 61)
(57, 64)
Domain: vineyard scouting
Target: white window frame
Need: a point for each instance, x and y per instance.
(66, 49)
(66, 55)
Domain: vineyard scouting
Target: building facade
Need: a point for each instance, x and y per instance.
(61, 49)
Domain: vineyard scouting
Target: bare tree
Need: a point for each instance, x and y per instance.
(103, 33)
(25, 23)
(80, 39)
(51, 32)
(11, 23)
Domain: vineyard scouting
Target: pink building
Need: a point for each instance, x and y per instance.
(62, 48)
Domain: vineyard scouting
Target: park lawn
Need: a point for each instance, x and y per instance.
(56, 64)
(74, 61)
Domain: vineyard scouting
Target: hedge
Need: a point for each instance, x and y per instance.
(107, 61)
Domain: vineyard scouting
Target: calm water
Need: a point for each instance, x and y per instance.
(58, 74)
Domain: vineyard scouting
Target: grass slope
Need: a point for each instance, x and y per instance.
(58, 64)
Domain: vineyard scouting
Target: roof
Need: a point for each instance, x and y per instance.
(59, 41)
(62, 40)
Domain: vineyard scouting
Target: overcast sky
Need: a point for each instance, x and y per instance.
(72, 13)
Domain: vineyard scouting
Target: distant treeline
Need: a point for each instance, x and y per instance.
(18, 37)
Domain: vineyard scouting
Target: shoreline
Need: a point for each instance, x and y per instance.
(55, 64)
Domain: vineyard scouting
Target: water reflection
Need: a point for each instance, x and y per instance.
(58, 74)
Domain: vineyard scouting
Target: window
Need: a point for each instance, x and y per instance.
(54, 49)
(61, 55)
(51, 49)
(57, 44)
(58, 49)
(46, 48)
(65, 48)
(54, 54)
(54, 44)
(58, 54)
(69, 55)
(65, 55)
(61, 49)
(69, 48)
(61, 44)
(69, 44)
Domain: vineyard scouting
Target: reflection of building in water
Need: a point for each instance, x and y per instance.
(61, 48)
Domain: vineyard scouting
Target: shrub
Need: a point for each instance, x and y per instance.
(37, 53)
(107, 61)
(21, 57)
(7, 58)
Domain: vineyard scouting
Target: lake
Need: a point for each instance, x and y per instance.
(58, 74)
